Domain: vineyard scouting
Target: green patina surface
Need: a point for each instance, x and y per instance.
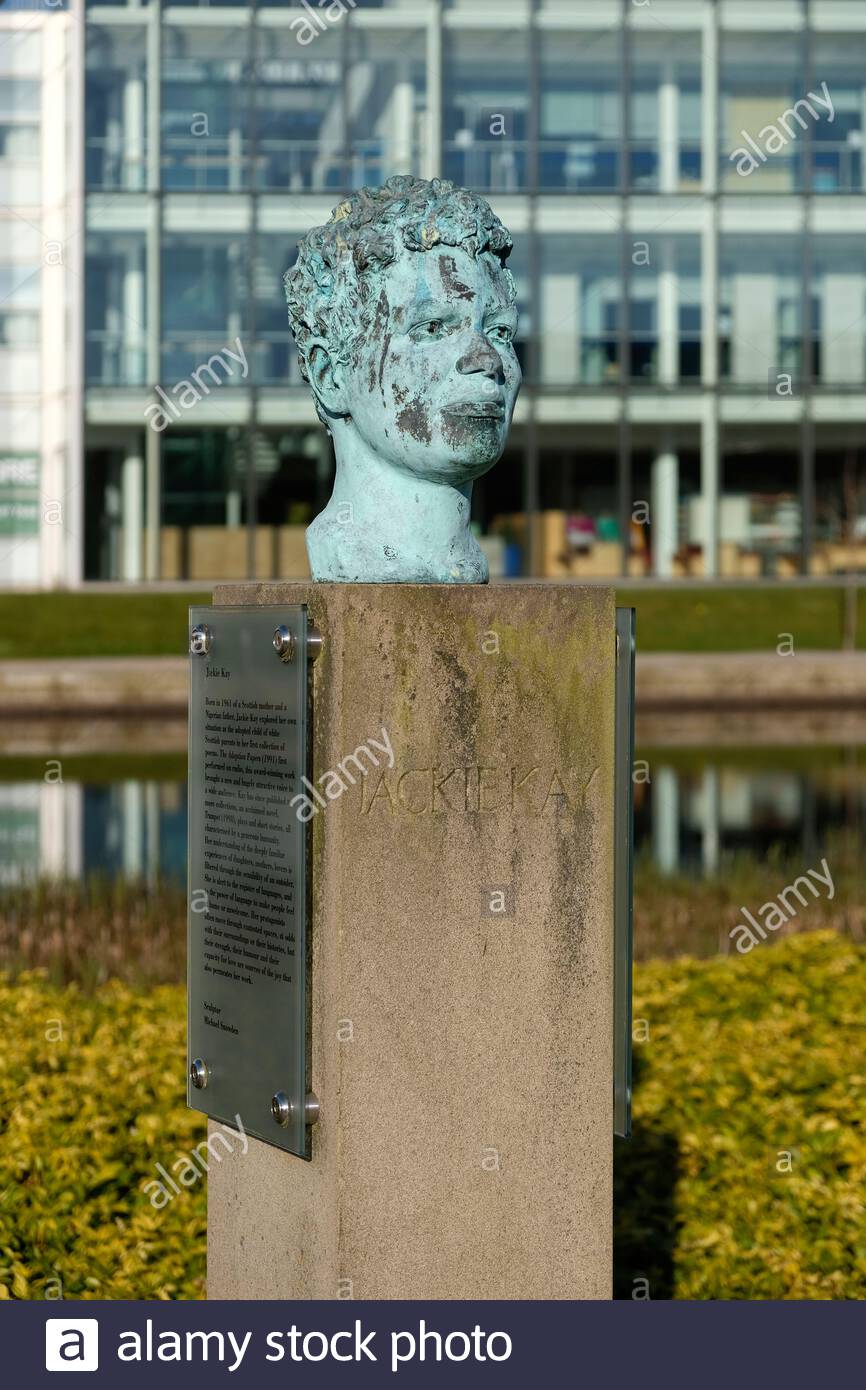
(404, 316)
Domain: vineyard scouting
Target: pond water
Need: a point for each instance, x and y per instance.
(696, 807)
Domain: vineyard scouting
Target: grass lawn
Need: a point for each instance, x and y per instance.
(707, 620)
(728, 619)
(83, 624)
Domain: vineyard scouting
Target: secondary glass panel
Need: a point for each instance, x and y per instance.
(115, 107)
(115, 309)
(300, 114)
(485, 109)
(386, 91)
(579, 114)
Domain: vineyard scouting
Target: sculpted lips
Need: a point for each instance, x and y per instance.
(477, 410)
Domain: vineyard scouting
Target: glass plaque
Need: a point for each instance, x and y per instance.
(247, 958)
(623, 871)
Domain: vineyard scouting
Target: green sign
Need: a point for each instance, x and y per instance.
(19, 495)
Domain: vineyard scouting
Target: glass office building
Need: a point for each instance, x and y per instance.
(41, 293)
(684, 180)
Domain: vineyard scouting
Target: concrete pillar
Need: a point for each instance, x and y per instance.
(59, 509)
(402, 124)
(132, 828)
(754, 331)
(151, 813)
(669, 130)
(666, 820)
(711, 820)
(432, 155)
(73, 807)
(709, 107)
(52, 838)
(560, 331)
(153, 450)
(664, 509)
(133, 323)
(709, 299)
(153, 502)
(132, 514)
(233, 507)
(668, 316)
(72, 76)
(132, 177)
(841, 329)
(464, 1143)
(235, 155)
(710, 487)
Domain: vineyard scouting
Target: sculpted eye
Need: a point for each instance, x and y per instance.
(433, 328)
(502, 332)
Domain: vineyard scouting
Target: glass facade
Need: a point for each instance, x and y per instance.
(685, 192)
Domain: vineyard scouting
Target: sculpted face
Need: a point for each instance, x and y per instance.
(432, 387)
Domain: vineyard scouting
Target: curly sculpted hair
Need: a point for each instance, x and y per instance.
(330, 290)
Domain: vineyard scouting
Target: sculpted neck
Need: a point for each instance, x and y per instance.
(385, 525)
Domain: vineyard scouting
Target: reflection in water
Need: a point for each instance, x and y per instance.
(693, 818)
(132, 828)
(694, 809)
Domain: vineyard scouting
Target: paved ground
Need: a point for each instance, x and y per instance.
(100, 685)
(706, 681)
(742, 680)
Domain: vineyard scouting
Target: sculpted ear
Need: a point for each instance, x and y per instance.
(326, 379)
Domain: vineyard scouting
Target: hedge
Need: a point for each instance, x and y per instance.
(745, 1177)
(91, 1099)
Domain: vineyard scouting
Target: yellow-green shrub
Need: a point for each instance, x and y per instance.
(91, 1099)
(749, 1059)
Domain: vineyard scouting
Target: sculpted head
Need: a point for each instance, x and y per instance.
(404, 316)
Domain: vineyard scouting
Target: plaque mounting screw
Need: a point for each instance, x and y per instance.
(284, 643)
(199, 1074)
(199, 640)
(281, 1108)
(314, 642)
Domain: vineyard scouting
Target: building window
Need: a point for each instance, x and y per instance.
(763, 129)
(204, 303)
(485, 109)
(115, 309)
(839, 63)
(205, 97)
(386, 93)
(580, 112)
(300, 118)
(115, 108)
(760, 311)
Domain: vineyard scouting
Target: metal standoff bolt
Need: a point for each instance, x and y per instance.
(314, 643)
(200, 640)
(281, 1109)
(199, 1074)
(284, 643)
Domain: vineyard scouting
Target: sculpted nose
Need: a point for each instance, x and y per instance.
(481, 357)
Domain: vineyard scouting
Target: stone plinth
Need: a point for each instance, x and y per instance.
(461, 937)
